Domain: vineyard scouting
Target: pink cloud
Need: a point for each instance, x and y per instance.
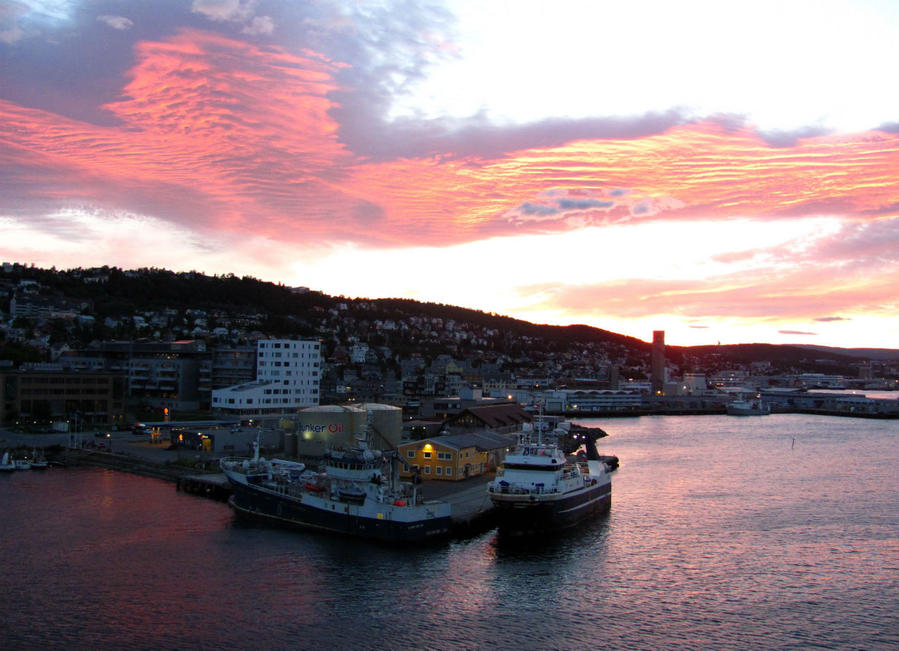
(214, 133)
(808, 291)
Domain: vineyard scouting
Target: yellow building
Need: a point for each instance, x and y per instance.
(454, 456)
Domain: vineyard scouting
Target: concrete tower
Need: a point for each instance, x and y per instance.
(657, 379)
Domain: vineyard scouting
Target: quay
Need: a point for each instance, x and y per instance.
(472, 511)
(212, 486)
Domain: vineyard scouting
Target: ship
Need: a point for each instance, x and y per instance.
(540, 489)
(748, 408)
(356, 492)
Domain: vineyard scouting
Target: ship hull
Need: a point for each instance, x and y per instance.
(525, 514)
(337, 517)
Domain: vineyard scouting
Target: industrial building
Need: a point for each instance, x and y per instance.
(74, 399)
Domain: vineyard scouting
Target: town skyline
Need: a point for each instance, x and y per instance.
(706, 174)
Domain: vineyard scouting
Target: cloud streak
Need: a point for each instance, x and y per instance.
(277, 124)
(218, 132)
(116, 22)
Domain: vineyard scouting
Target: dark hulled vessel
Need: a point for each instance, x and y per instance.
(352, 495)
(539, 489)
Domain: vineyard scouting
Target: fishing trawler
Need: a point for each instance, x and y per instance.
(539, 488)
(356, 493)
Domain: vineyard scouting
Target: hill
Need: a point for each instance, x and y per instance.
(278, 310)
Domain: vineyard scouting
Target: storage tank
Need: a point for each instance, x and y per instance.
(324, 426)
(387, 422)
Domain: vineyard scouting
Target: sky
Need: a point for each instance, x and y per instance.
(723, 171)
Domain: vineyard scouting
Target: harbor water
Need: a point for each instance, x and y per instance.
(771, 532)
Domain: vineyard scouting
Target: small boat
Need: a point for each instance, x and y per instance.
(23, 464)
(754, 407)
(6, 464)
(539, 489)
(38, 461)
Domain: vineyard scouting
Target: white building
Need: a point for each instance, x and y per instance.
(585, 401)
(288, 374)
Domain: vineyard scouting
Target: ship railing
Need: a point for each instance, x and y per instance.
(283, 485)
(520, 490)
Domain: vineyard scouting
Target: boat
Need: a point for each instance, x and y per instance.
(539, 488)
(38, 461)
(356, 493)
(754, 407)
(6, 464)
(22, 464)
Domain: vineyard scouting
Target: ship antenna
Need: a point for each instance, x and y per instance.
(366, 439)
(540, 422)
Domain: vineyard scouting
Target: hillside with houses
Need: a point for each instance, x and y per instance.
(394, 351)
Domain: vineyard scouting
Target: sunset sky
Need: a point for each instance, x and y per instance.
(723, 171)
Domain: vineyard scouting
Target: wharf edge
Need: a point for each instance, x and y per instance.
(471, 513)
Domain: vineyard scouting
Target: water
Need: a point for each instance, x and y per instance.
(775, 532)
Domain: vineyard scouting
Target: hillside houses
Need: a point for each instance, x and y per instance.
(394, 351)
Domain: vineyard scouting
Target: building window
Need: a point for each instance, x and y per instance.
(427, 455)
(410, 454)
(427, 470)
(449, 471)
(438, 470)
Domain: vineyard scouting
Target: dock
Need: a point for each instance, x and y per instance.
(212, 486)
(471, 509)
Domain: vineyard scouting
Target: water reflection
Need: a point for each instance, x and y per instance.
(719, 534)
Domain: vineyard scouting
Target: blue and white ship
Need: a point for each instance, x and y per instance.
(356, 493)
(540, 489)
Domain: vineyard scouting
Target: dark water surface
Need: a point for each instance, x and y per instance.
(776, 532)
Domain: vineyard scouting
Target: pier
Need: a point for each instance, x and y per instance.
(211, 486)
(472, 511)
